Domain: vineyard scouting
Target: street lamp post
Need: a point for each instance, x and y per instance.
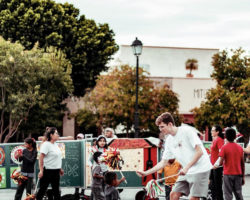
(137, 49)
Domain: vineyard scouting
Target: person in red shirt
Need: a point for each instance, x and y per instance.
(231, 155)
(217, 173)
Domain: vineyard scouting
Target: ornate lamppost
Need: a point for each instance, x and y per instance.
(137, 50)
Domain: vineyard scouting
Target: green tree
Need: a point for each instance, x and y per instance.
(112, 101)
(87, 45)
(228, 103)
(29, 78)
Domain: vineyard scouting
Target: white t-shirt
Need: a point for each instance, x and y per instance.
(182, 147)
(53, 155)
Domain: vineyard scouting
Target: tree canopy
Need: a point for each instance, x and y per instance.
(29, 79)
(87, 45)
(112, 101)
(228, 103)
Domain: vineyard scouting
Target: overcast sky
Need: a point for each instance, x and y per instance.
(178, 23)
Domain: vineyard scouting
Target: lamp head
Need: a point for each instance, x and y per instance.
(137, 47)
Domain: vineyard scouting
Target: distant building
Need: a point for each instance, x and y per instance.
(191, 92)
(167, 65)
(168, 61)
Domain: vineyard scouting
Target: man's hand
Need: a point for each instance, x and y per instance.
(183, 171)
(243, 180)
(215, 166)
(141, 173)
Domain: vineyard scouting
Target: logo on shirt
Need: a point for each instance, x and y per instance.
(179, 144)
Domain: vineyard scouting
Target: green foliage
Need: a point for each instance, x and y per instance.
(87, 45)
(230, 71)
(29, 79)
(228, 103)
(87, 121)
(112, 102)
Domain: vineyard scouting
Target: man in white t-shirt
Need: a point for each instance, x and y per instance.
(184, 144)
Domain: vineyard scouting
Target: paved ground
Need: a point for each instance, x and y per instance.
(127, 194)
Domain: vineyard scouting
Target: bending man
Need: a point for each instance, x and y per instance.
(184, 144)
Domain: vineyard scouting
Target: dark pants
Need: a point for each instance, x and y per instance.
(50, 176)
(26, 184)
(97, 193)
(168, 189)
(216, 182)
(232, 184)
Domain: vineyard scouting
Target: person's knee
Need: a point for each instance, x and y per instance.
(175, 195)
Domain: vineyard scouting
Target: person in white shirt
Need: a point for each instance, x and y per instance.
(109, 133)
(50, 164)
(247, 149)
(184, 144)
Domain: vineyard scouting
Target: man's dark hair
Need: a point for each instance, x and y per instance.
(96, 156)
(219, 129)
(165, 118)
(230, 134)
(109, 177)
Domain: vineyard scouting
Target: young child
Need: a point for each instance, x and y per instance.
(101, 146)
(111, 193)
(233, 167)
(28, 156)
(169, 170)
(97, 192)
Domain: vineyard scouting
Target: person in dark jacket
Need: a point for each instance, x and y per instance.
(28, 156)
(111, 193)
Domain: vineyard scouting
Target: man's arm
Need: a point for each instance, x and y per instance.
(157, 167)
(218, 163)
(247, 150)
(196, 157)
(221, 160)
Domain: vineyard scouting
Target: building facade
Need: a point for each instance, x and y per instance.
(166, 65)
